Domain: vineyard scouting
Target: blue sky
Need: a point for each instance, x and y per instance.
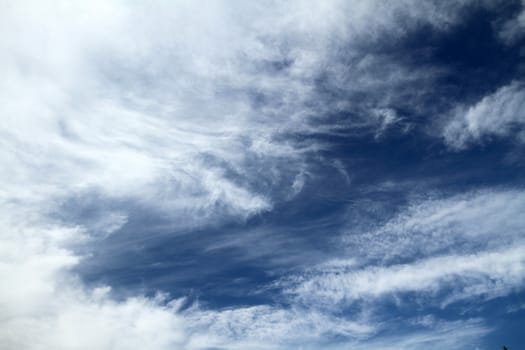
(262, 175)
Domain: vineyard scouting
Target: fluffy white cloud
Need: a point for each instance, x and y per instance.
(44, 306)
(175, 105)
(499, 114)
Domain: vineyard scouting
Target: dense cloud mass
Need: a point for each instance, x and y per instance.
(262, 175)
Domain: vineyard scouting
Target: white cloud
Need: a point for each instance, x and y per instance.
(498, 114)
(264, 327)
(513, 30)
(487, 274)
(451, 335)
(162, 103)
(44, 306)
(444, 250)
(489, 219)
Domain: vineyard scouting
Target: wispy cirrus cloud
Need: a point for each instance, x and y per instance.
(462, 223)
(163, 107)
(488, 274)
(442, 251)
(499, 114)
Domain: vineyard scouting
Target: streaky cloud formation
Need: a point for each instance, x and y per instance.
(467, 246)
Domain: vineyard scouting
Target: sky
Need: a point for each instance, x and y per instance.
(262, 174)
